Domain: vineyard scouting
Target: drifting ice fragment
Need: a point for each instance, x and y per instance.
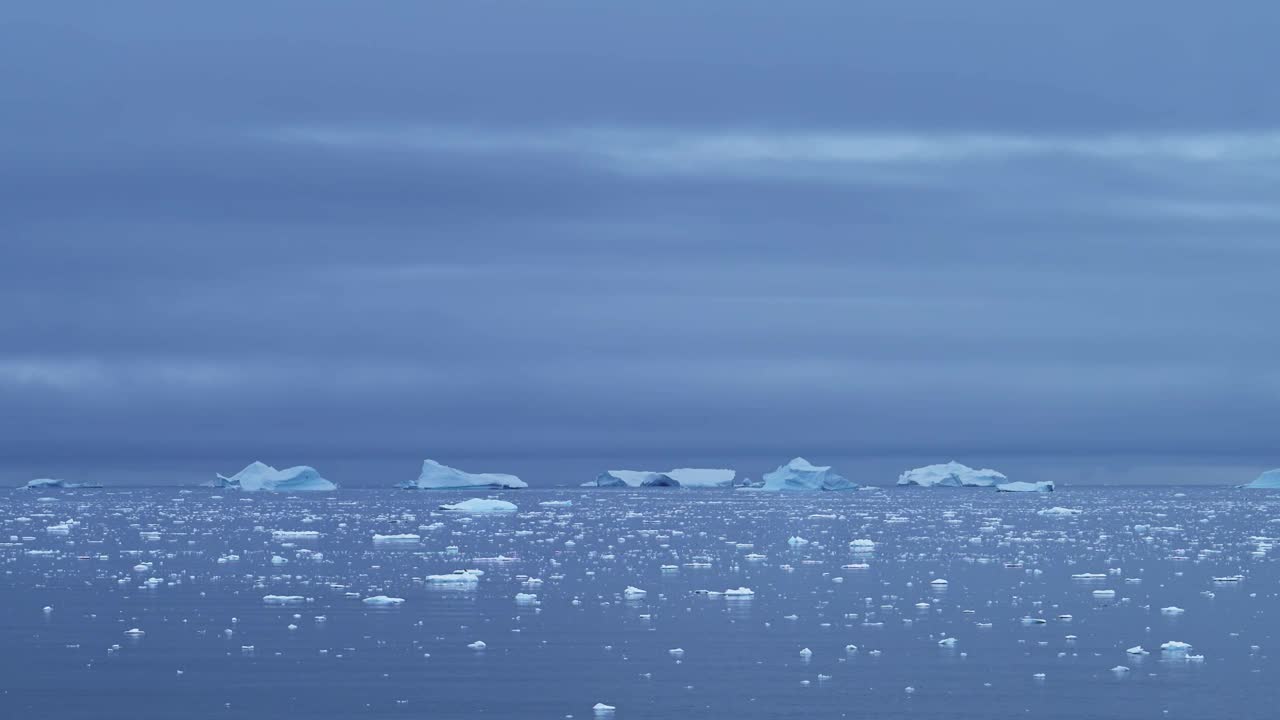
(480, 506)
(1045, 486)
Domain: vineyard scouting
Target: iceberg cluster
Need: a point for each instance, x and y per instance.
(951, 474)
(680, 477)
(799, 474)
(435, 476)
(1269, 480)
(260, 476)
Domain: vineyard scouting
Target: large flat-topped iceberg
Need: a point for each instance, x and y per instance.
(952, 474)
(435, 476)
(260, 476)
(799, 474)
(1045, 486)
(680, 477)
(1269, 480)
(480, 506)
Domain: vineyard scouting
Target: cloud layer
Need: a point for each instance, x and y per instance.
(544, 242)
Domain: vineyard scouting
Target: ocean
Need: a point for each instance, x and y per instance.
(890, 603)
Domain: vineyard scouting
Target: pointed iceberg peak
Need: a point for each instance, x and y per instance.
(435, 476)
(951, 474)
(260, 476)
(1269, 480)
(800, 474)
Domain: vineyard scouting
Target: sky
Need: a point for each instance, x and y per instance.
(552, 238)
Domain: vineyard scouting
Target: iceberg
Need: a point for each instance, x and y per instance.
(1059, 512)
(480, 506)
(465, 579)
(1045, 486)
(680, 477)
(56, 484)
(799, 474)
(952, 474)
(1269, 480)
(260, 476)
(435, 476)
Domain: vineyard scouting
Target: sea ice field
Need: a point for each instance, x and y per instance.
(1151, 602)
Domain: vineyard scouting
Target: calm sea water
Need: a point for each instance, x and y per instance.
(107, 561)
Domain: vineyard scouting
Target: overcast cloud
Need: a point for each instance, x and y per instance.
(557, 237)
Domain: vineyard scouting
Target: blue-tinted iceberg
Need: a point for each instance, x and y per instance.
(799, 474)
(262, 477)
(1045, 486)
(1269, 480)
(952, 474)
(680, 477)
(435, 476)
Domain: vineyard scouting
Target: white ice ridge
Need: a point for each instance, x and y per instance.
(679, 477)
(457, 578)
(799, 474)
(1043, 486)
(480, 506)
(435, 476)
(951, 474)
(260, 476)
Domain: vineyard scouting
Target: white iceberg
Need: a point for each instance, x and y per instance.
(397, 538)
(1058, 512)
(799, 474)
(679, 477)
(260, 476)
(951, 474)
(1269, 480)
(295, 535)
(56, 484)
(480, 506)
(435, 476)
(466, 579)
(1044, 486)
(383, 601)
